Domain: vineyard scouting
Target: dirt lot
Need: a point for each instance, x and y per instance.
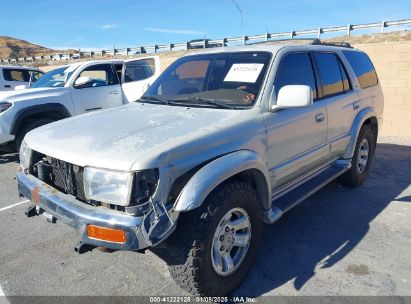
(338, 242)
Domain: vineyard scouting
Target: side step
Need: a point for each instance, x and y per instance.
(283, 203)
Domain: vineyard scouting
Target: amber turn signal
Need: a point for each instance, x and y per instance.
(106, 234)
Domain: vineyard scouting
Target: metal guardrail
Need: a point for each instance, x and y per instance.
(209, 43)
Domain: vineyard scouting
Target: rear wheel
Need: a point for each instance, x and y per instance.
(214, 247)
(27, 127)
(362, 159)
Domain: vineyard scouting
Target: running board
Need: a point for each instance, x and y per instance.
(282, 203)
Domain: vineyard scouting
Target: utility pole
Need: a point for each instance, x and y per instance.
(241, 15)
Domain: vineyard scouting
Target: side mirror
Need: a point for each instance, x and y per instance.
(83, 82)
(293, 96)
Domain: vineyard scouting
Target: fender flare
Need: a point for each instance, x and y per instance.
(37, 109)
(359, 120)
(214, 173)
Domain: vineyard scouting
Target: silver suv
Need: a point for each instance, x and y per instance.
(221, 143)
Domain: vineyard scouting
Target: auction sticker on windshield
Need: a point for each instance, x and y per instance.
(244, 72)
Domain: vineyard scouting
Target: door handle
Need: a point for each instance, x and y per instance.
(7, 86)
(93, 109)
(115, 92)
(356, 105)
(319, 117)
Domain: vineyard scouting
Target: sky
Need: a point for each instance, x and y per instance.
(97, 24)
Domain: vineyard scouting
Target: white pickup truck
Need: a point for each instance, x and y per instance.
(17, 76)
(71, 90)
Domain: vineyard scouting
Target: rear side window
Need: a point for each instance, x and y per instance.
(295, 68)
(16, 75)
(139, 70)
(332, 74)
(344, 76)
(363, 68)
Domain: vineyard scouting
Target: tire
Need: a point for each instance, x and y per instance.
(190, 247)
(361, 166)
(27, 127)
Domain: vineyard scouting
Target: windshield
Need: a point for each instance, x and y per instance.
(55, 78)
(224, 80)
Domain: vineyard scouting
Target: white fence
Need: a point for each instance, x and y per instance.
(347, 29)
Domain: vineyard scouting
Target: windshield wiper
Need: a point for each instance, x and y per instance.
(155, 99)
(208, 101)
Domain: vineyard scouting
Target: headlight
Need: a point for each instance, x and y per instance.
(108, 186)
(25, 156)
(4, 105)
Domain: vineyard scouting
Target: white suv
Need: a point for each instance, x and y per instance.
(13, 76)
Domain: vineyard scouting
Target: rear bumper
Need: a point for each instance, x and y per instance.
(78, 214)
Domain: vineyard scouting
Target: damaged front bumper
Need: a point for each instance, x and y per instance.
(141, 232)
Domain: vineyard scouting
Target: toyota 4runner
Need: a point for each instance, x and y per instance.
(221, 143)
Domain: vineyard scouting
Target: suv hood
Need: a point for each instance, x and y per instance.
(142, 135)
(32, 93)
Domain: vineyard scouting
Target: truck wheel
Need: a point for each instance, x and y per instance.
(214, 247)
(27, 127)
(362, 159)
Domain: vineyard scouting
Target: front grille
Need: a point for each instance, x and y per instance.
(63, 176)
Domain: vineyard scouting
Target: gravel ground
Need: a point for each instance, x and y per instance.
(338, 242)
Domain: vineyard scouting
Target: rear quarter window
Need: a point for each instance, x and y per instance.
(19, 75)
(363, 68)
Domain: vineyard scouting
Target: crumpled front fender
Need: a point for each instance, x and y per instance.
(214, 173)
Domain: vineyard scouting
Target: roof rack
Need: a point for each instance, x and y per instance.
(313, 41)
(333, 43)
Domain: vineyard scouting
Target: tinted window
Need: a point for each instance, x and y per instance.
(330, 73)
(344, 76)
(101, 75)
(295, 68)
(363, 68)
(139, 70)
(16, 75)
(36, 75)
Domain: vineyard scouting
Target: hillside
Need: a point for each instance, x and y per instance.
(15, 48)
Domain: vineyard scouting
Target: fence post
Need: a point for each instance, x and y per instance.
(320, 30)
(382, 26)
(224, 42)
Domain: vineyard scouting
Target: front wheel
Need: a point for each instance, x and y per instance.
(214, 247)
